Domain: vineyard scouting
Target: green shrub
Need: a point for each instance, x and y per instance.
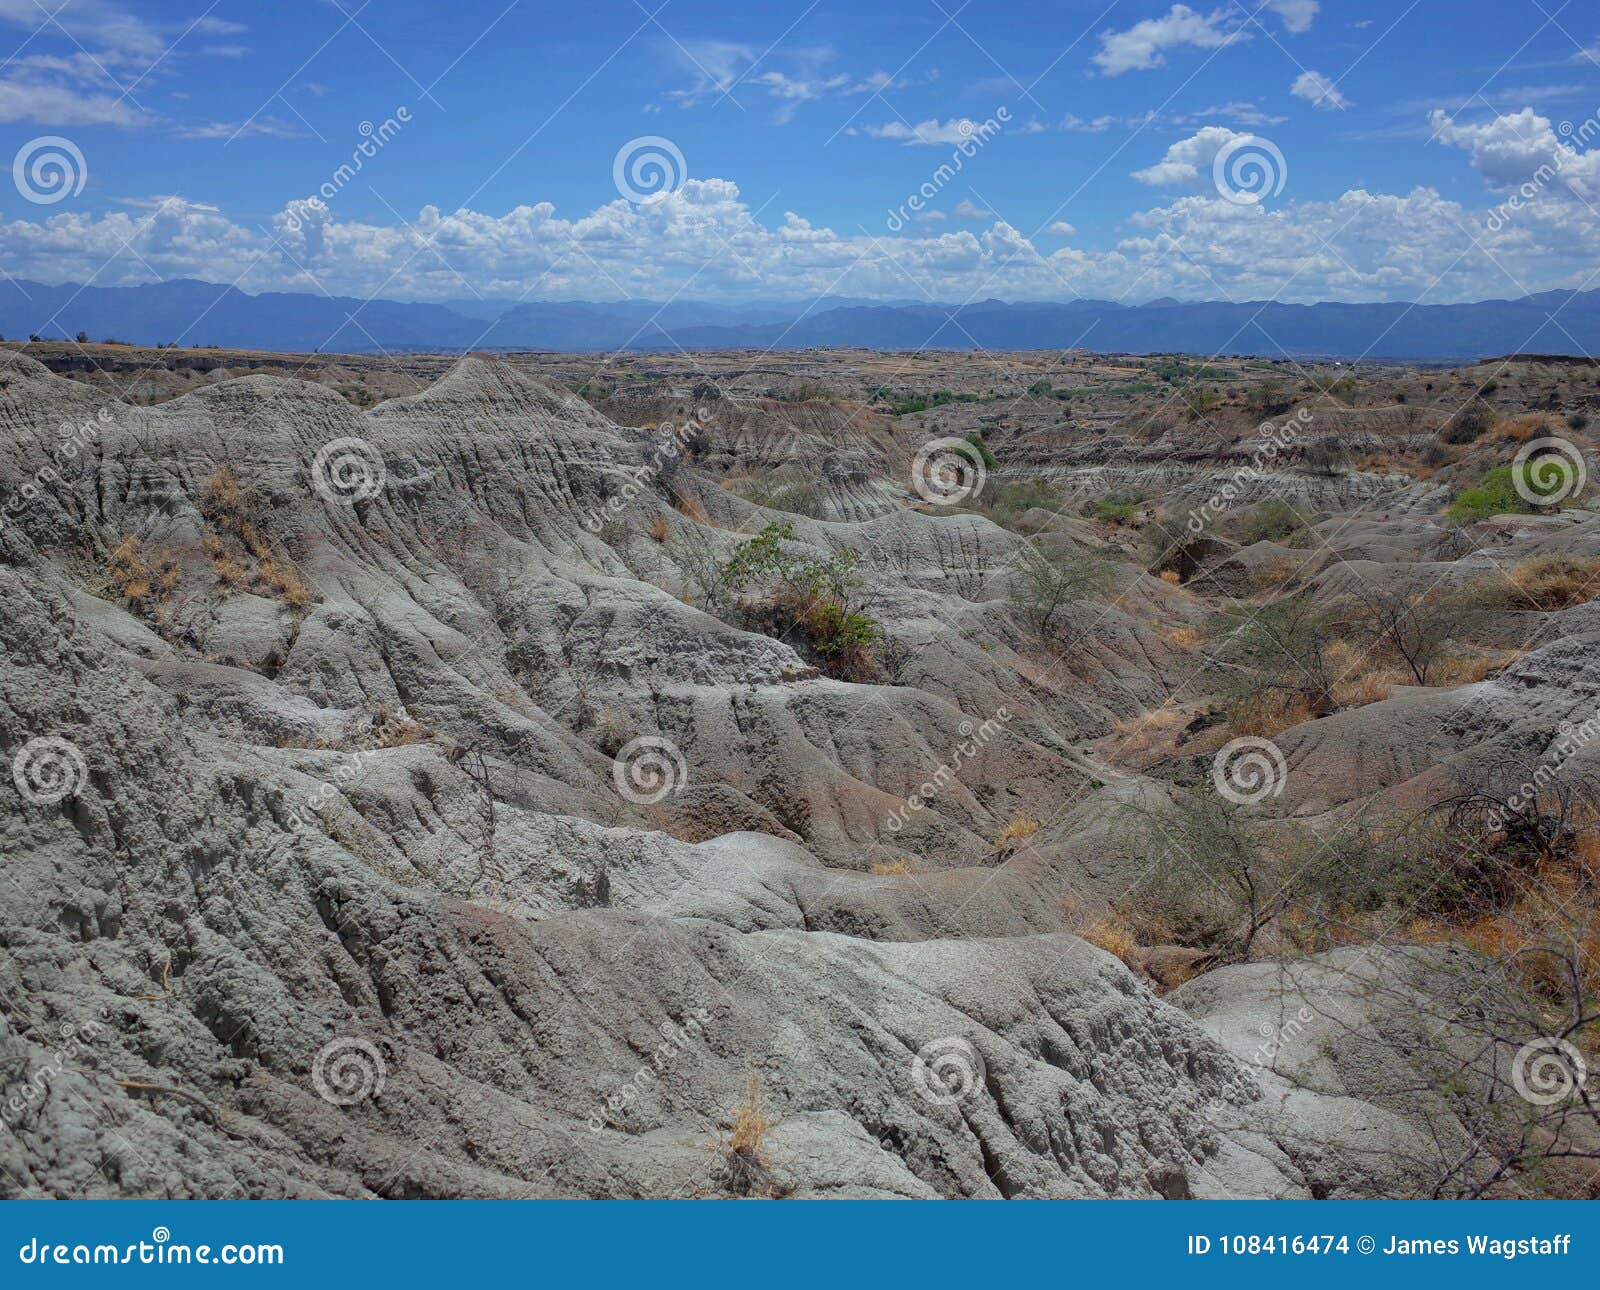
(1268, 400)
(1494, 494)
(1114, 510)
(1006, 503)
(818, 595)
(1199, 400)
(799, 496)
(1048, 580)
(987, 457)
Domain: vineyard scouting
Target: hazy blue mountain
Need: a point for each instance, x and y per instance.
(203, 313)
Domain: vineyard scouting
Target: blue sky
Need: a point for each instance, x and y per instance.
(801, 147)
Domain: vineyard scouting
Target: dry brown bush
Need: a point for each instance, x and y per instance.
(1555, 581)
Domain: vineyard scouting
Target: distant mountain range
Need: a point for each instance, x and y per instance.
(204, 313)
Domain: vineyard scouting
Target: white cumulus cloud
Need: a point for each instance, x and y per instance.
(1188, 162)
(1142, 46)
(1520, 148)
(1296, 14)
(1319, 91)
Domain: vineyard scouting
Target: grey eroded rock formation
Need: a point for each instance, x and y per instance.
(332, 891)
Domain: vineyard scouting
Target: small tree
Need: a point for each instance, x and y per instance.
(696, 555)
(820, 595)
(1416, 629)
(1276, 651)
(1046, 583)
(1209, 881)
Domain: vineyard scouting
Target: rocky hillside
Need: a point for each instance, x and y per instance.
(475, 795)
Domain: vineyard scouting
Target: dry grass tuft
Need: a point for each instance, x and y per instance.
(660, 530)
(1521, 429)
(1133, 737)
(1113, 936)
(283, 580)
(1020, 828)
(1552, 582)
(1381, 463)
(143, 580)
(1468, 669)
(688, 506)
(223, 502)
(894, 868)
(1171, 577)
(1186, 637)
(228, 509)
(1273, 574)
(1361, 678)
(1268, 714)
(1535, 931)
(745, 1167)
(396, 729)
